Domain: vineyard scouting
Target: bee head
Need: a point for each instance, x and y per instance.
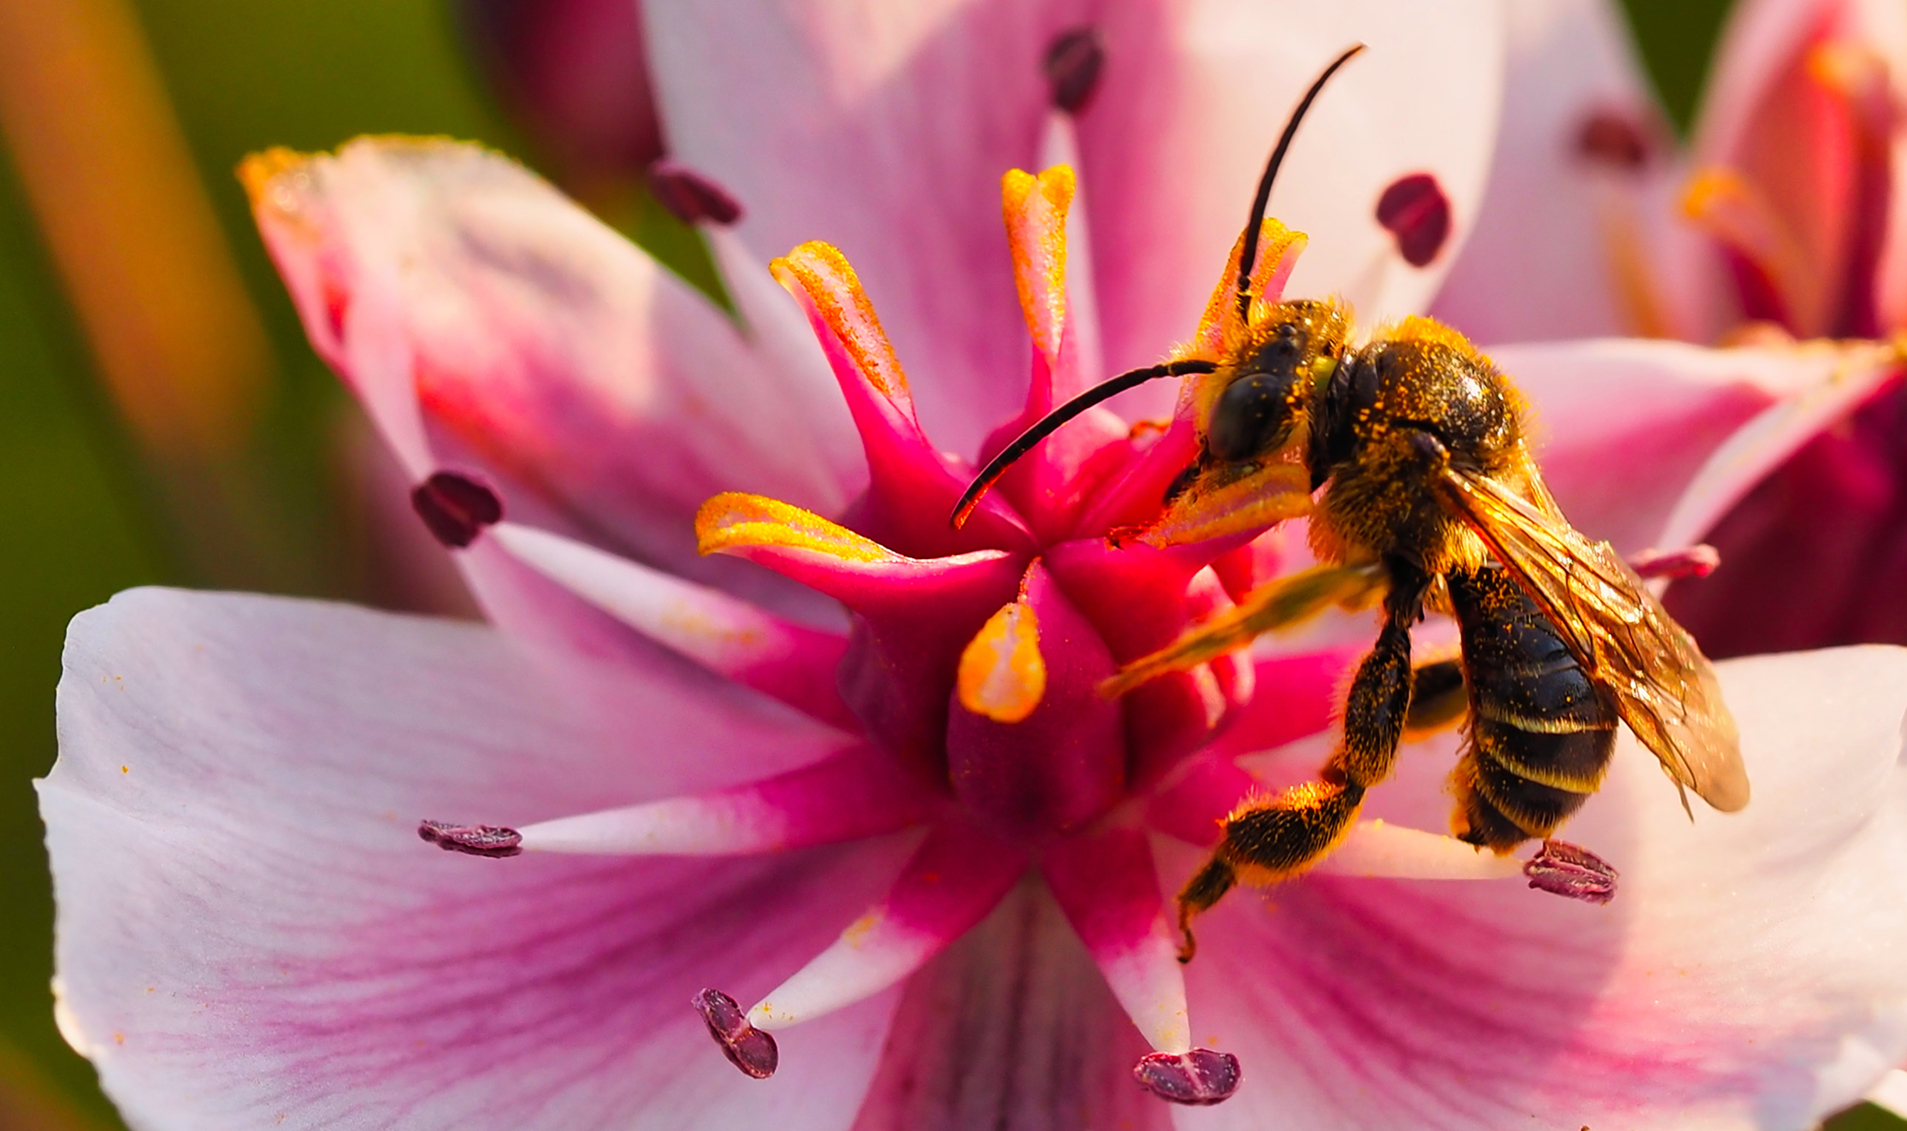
(1272, 380)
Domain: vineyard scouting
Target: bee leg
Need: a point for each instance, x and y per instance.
(1202, 891)
(1271, 838)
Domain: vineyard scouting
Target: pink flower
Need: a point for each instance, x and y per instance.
(869, 792)
(573, 76)
(1780, 218)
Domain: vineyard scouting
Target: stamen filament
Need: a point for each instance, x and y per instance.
(791, 662)
(1377, 850)
(951, 883)
(858, 794)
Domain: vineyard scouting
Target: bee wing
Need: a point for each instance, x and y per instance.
(1626, 641)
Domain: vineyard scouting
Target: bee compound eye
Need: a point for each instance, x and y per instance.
(1251, 414)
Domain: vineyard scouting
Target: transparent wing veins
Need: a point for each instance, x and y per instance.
(1626, 641)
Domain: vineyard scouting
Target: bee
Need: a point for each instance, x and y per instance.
(1408, 452)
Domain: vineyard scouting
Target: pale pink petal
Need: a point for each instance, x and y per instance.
(1856, 372)
(1579, 233)
(1643, 441)
(729, 636)
(1012, 1027)
(883, 131)
(252, 935)
(1892, 1093)
(1743, 978)
(851, 796)
(1190, 104)
(958, 875)
(484, 319)
(1814, 548)
(1109, 889)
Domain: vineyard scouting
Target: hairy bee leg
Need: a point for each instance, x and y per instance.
(1203, 890)
(1438, 697)
(1276, 837)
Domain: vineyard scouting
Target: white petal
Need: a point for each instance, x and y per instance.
(1747, 975)
(250, 933)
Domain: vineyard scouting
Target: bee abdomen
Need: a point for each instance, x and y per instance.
(1540, 733)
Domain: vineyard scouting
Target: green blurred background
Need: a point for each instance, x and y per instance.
(86, 510)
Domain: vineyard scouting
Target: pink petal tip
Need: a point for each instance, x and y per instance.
(1199, 1078)
(747, 1048)
(494, 841)
(1699, 560)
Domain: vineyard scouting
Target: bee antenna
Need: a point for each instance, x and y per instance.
(1047, 425)
(1248, 255)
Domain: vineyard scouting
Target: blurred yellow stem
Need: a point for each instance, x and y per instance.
(132, 234)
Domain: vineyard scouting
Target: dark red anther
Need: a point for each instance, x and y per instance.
(1073, 64)
(691, 196)
(1416, 211)
(746, 1047)
(493, 841)
(1199, 1078)
(1698, 560)
(1615, 140)
(1567, 869)
(455, 507)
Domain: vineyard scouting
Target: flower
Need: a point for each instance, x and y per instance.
(911, 839)
(1778, 220)
(573, 75)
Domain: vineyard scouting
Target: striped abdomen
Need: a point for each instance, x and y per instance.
(1540, 734)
